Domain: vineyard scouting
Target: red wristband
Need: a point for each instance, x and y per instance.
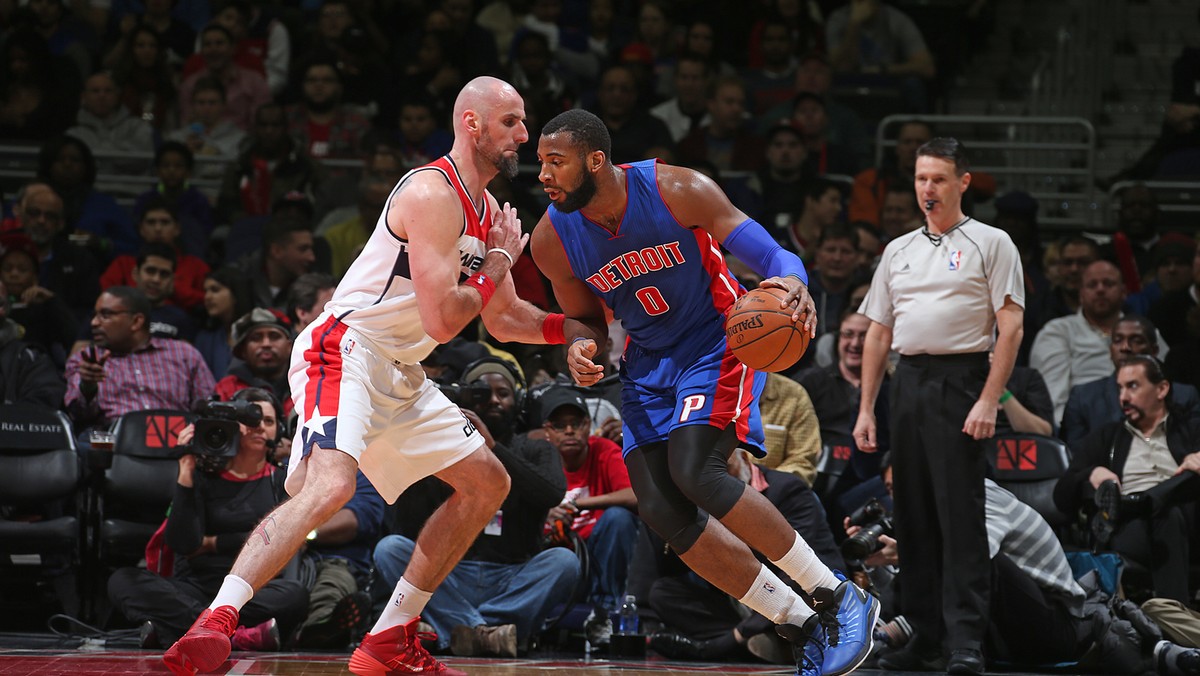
(483, 284)
(552, 329)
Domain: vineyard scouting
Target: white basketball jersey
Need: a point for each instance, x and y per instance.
(376, 296)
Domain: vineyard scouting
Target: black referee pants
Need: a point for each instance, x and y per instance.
(939, 499)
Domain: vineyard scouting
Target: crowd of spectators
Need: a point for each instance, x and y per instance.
(190, 291)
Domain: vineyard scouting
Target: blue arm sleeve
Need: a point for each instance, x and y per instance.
(752, 245)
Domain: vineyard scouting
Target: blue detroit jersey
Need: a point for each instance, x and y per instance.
(664, 281)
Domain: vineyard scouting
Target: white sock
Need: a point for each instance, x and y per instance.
(776, 601)
(803, 566)
(407, 603)
(234, 592)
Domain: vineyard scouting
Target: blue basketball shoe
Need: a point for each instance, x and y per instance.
(840, 636)
(808, 645)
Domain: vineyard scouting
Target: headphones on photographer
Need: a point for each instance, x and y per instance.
(260, 393)
(519, 387)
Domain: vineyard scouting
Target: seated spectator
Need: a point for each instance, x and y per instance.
(1071, 350)
(1137, 232)
(126, 369)
(1170, 313)
(1170, 269)
(269, 168)
(1076, 253)
(868, 37)
(791, 432)
(871, 185)
(1094, 404)
(307, 297)
(245, 90)
(145, 80)
(209, 133)
(27, 374)
(214, 510)
(104, 124)
(68, 270)
(779, 185)
(432, 67)
(173, 164)
(347, 238)
(262, 340)
(635, 133)
(495, 600)
(227, 297)
(287, 253)
(68, 166)
(1038, 614)
(900, 212)
(822, 206)
(599, 502)
(44, 318)
(177, 36)
(824, 155)
(726, 141)
(703, 622)
(158, 224)
(769, 79)
(261, 43)
(834, 273)
(341, 553)
(37, 89)
(420, 140)
(1141, 473)
(320, 123)
(688, 109)
(153, 274)
(67, 35)
(1026, 407)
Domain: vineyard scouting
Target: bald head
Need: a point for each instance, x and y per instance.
(481, 95)
(489, 125)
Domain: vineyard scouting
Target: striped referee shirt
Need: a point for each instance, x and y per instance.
(1016, 530)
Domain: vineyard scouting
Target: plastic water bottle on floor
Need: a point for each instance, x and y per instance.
(627, 622)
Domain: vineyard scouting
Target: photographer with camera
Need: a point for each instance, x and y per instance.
(1037, 609)
(498, 595)
(226, 485)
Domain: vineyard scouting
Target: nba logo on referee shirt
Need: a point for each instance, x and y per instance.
(955, 259)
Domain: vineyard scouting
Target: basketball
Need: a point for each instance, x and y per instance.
(761, 335)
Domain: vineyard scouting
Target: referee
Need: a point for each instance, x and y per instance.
(939, 296)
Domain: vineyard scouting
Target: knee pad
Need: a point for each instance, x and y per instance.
(661, 505)
(699, 462)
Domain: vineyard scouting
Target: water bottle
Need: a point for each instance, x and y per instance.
(628, 621)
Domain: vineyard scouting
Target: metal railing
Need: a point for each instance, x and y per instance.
(1051, 158)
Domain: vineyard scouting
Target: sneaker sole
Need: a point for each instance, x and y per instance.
(187, 658)
(868, 644)
(363, 664)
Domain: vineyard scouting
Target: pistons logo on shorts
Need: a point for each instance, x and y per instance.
(348, 347)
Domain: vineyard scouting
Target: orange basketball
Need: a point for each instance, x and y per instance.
(763, 336)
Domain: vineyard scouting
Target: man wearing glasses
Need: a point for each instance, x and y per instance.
(70, 271)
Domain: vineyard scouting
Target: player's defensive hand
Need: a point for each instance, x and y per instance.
(797, 298)
(981, 421)
(579, 359)
(505, 232)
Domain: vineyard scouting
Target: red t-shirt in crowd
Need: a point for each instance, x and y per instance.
(602, 473)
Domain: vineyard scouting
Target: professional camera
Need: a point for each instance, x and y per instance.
(217, 432)
(874, 520)
(470, 396)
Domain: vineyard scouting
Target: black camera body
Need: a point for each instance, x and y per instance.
(217, 432)
(471, 396)
(875, 521)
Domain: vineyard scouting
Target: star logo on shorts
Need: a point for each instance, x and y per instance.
(317, 423)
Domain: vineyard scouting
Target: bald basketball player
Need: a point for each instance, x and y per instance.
(439, 256)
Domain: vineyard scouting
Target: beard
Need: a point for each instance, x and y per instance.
(505, 165)
(578, 198)
(500, 423)
(1132, 413)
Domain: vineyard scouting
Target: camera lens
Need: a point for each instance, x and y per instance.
(215, 438)
(864, 543)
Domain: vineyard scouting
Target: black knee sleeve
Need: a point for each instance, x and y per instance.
(661, 504)
(698, 456)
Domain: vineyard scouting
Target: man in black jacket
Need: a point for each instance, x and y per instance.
(1143, 473)
(27, 375)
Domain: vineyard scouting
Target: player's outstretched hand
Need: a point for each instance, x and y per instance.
(505, 232)
(797, 298)
(579, 359)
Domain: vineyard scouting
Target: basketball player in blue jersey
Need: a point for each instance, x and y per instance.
(642, 240)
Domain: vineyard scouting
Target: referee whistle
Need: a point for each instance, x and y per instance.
(929, 205)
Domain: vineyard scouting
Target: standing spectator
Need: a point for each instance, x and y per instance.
(1141, 473)
(145, 80)
(599, 501)
(688, 109)
(68, 270)
(938, 298)
(321, 125)
(173, 163)
(27, 374)
(45, 320)
(67, 164)
(268, 169)
(287, 253)
(262, 342)
(209, 133)
(726, 141)
(227, 296)
(126, 369)
(37, 89)
(307, 297)
(104, 124)
(635, 133)
(790, 429)
(158, 224)
(245, 90)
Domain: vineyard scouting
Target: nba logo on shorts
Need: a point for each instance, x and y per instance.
(348, 347)
(955, 259)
